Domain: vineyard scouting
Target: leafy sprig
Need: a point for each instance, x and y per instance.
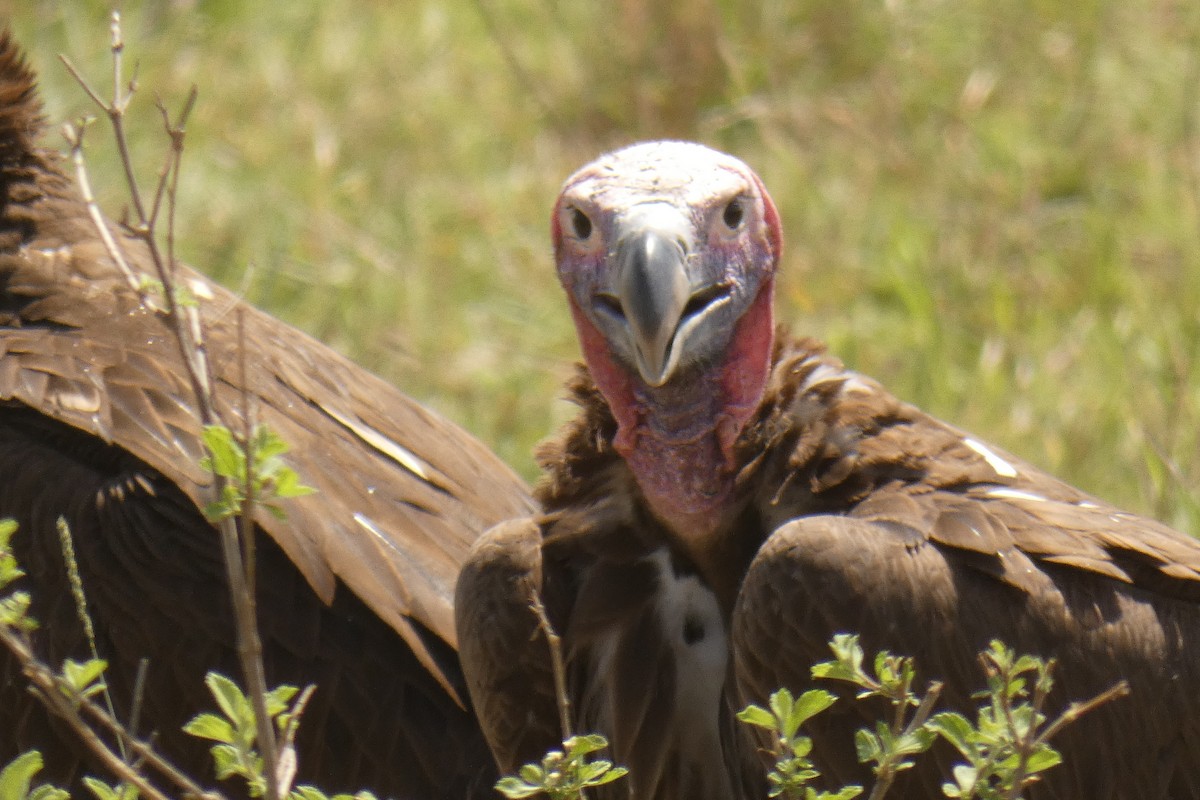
(793, 769)
(563, 774)
(891, 746)
(252, 469)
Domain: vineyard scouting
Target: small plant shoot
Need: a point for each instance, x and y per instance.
(563, 774)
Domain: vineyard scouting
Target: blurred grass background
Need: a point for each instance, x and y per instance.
(994, 208)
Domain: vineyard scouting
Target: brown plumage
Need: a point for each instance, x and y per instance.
(837, 508)
(98, 424)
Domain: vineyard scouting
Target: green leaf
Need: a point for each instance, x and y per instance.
(103, 791)
(227, 457)
(582, 745)
(229, 697)
(14, 611)
(801, 746)
(757, 716)
(184, 297)
(287, 484)
(86, 678)
(278, 699)
(277, 512)
(811, 703)
(226, 761)
(9, 571)
(833, 671)
(267, 444)
(609, 776)
(956, 729)
(966, 777)
(210, 726)
(305, 792)
(48, 792)
(532, 773)
(16, 777)
(588, 772)
(915, 742)
(1042, 760)
(867, 746)
(1028, 664)
(514, 788)
(781, 703)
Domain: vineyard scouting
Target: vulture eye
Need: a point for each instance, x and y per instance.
(734, 213)
(581, 224)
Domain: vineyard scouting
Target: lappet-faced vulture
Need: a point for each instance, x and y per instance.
(98, 425)
(731, 496)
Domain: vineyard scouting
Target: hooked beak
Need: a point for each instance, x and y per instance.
(652, 288)
(654, 300)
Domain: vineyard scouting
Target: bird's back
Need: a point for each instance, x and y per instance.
(99, 425)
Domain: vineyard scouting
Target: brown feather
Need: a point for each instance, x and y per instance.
(933, 543)
(857, 512)
(97, 423)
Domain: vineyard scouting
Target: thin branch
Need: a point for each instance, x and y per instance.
(50, 689)
(74, 136)
(139, 694)
(554, 642)
(926, 708)
(248, 425)
(171, 166)
(116, 114)
(1078, 708)
(186, 323)
(82, 81)
(887, 777)
(287, 742)
(252, 657)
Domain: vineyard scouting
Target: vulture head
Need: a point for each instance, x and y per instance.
(667, 252)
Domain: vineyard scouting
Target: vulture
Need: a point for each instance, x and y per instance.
(99, 426)
(731, 496)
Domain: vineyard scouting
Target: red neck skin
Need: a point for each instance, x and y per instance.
(678, 439)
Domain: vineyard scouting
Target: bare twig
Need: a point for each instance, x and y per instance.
(74, 136)
(287, 740)
(1080, 707)
(139, 694)
(248, 424)
(242, 563)
(54, 694)
(186, 324)
(554, 642)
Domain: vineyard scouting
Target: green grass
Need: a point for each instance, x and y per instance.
(994, 208)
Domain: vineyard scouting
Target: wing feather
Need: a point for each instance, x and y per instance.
(504, 654)
(97, 423)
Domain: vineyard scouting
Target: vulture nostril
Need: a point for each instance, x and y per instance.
(609, 305)
(703, 299)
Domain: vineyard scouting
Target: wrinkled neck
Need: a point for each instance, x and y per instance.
(678, 439)
(678, 458)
